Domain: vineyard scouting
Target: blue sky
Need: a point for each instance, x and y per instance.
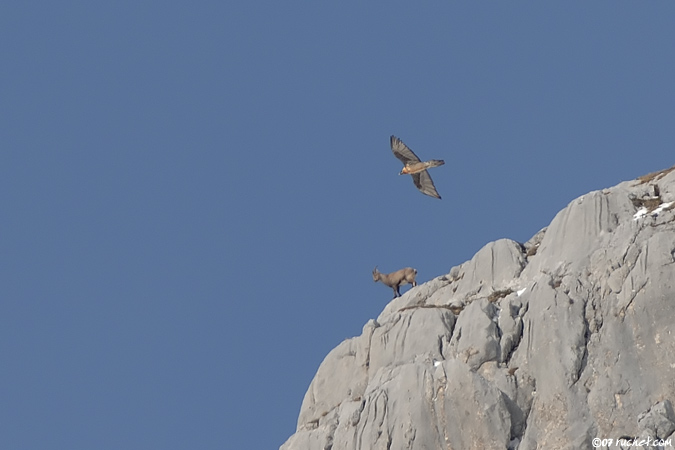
(194, 194)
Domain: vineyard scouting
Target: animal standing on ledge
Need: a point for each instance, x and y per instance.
(415, 167)
(396, 279)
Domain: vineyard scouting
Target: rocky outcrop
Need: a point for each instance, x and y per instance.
(547, 344)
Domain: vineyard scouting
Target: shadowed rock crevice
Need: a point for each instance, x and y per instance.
(545, 344)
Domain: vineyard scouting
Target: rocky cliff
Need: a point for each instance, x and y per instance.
(547, 344)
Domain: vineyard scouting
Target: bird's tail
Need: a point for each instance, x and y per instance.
(436, 162)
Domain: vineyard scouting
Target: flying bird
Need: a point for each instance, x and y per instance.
(412, 165)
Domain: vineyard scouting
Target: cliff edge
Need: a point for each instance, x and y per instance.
(547, 344)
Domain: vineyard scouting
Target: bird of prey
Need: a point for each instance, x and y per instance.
(415, 167)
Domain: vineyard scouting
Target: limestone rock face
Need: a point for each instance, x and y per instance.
(547, 344)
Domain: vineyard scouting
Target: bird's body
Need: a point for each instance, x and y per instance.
(412, 165)
(412, 168)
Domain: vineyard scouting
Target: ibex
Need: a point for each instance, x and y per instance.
(396, 279)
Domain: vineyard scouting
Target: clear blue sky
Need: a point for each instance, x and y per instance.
(193, 195)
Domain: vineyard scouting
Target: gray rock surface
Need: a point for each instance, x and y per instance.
(547, 344)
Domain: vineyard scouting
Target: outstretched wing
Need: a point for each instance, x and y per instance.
(424, 183)
(402, 152)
